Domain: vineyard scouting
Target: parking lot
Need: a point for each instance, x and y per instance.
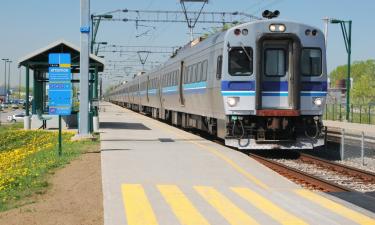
(8, 112)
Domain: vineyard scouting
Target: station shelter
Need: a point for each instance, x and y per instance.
(37, 62)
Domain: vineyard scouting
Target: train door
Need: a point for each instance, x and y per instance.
(278, 82)
(181, 84)
(159, 85)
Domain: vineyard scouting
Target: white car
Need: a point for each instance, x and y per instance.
(16, 118)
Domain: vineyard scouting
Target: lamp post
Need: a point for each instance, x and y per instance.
(8, 87)
(347, 34)
(95, 21)
(5, 75)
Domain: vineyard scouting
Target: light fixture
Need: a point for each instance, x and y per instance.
(232, 101)
(317, 101)
(277, 27)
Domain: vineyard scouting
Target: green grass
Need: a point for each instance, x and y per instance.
(30, 175)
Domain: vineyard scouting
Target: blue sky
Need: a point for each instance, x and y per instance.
(31, 24)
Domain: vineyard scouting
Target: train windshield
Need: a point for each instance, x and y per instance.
(275, 62)
(311, 62)
(240, 61)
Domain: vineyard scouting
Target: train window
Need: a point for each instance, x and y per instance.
(189, 74)
(175, 78)
(195, 73)
(240, 61)
(199, 73)
(311, 62)
(275, 62)
(184, 75)
(219, 66)
(204, 70)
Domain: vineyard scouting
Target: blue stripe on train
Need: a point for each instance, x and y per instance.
(238, 93)
(314, 93)
(199, 87)
(275, 85)
(279, 94)
(314, 86)
(237, 85)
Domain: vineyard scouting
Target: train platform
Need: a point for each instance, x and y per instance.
(355, 128)
(154, 173)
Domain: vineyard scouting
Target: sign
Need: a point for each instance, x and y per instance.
(59, 74)
(60, 92)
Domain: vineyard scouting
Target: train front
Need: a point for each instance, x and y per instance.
(274, 85)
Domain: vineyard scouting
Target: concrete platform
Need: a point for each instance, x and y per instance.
(355, 128)
(157, 174)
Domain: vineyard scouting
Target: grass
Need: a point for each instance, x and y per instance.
(26, 160)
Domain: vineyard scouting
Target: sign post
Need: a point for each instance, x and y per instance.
(60, 88)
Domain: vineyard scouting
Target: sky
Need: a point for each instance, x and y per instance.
(28, 25)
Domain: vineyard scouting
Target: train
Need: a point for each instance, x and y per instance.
(258, 85)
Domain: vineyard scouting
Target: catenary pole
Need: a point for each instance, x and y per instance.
(84, 69)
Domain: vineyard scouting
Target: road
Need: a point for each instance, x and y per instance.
(8, 112)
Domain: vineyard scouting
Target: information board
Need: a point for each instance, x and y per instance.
(60, 90)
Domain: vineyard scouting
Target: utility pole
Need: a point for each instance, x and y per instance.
(84, 69)
(19, 83)
(326, 22)
(8, 88)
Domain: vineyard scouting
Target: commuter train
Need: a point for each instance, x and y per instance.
(257, 85)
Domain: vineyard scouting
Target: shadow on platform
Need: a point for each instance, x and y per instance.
(366, 201)
(121, 125)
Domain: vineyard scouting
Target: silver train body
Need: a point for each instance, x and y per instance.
(258, 85)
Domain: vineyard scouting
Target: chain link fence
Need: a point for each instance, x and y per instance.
(355, 146)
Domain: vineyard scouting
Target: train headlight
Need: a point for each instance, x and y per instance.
(273, 28)
(318, 101)
(281, 28)
(277, 28)
(232, 101)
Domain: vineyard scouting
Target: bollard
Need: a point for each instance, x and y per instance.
(26, 123)
(95, 123)
(342, 144)
(363, 148)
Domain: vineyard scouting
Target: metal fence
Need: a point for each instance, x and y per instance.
(358, 113)
(355, 146)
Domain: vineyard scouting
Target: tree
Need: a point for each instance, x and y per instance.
(363, 74)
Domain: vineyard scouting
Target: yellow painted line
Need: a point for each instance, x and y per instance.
(224, 206)
(184, 210)
(214, 151)
(234, 165)
(267, 207)
(335, 207)
(138, 210)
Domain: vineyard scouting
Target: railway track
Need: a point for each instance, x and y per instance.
(319, 174)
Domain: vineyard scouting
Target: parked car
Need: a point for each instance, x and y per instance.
(16, 118)
(4, 105)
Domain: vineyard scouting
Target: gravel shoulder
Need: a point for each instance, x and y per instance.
(75, 197)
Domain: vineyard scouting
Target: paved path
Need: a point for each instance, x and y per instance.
(156, 174)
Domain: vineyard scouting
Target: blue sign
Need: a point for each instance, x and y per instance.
(62, 111)
(59, 74)
(85, 29)
(60, 92)
(59, 58)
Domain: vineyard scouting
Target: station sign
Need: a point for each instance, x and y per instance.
(60, 92)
